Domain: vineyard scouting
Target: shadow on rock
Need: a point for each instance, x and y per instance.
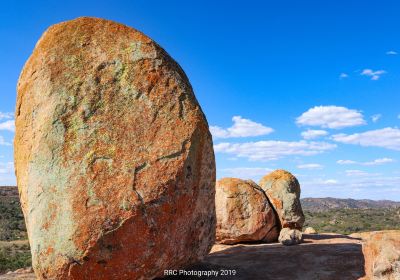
(329, 260)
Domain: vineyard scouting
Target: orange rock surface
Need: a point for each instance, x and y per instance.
(113, 156)
(382, 254)
(283, 190)
(243, 213)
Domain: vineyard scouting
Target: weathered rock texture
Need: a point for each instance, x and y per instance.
(310, 230)
(283, 190)
(243, 213)
(382, 254)
(113, 156)
(289, 236)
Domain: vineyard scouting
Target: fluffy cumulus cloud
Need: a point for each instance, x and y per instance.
(375, 118)
(312, 134)
(375, 75)
(241, 128)
(311, 166)
(3, 142)
(272, 150)
(378, 161)
(334, 117)
(388, 138)
(8, 125)
(246, 172)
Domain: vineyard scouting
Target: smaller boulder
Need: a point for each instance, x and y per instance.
(289, 236)
(310, 230)
(243, 213)
(283, 191)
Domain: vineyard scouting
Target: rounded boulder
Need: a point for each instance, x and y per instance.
(113, 155)
(283, 190)
(243, 213)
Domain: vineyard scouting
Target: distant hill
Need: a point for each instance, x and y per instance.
(9, 191)
(329, 203)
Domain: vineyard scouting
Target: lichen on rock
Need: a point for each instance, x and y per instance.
(113, 156)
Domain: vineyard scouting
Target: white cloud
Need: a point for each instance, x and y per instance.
(329, 182)
(312, 166)
(8, 125)
(391, 53)
(345, 161)
(245, 172)
(343, 76)
(6, 167)
(388, 138)
(312, 134)
(4, 142)
(241, 128)
(6, 115)
(272, 150)
(375, 75)
(359, 173)
(334, 117)
(372, 186)
(376, 117)
(378, 161)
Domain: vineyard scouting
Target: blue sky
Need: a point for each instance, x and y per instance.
(308, 86)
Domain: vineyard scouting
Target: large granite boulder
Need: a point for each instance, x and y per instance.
(113, 156)
(243, 213)
(283, 190)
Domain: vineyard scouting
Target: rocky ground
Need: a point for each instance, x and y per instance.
(322, 256)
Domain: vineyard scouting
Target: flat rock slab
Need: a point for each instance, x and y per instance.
(322, 256)
(18, 276)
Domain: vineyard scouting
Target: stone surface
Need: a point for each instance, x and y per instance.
(289, 236)
(320, 257)
(310, 230)
(113, 156)
(243, 213)
(18, 276)
(283, 190)
(382, 254)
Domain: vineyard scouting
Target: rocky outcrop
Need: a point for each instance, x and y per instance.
(243, 213)
(382, 254)
(283, 191)
(289, 236)
(113, 156)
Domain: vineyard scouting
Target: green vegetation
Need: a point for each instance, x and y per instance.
(14, 255)
(347, 221)
(14, 248)
(12, 225)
